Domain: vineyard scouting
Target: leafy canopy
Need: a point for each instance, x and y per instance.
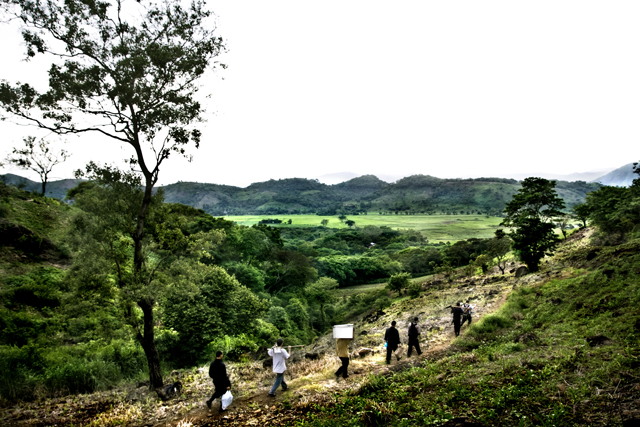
(529, 213)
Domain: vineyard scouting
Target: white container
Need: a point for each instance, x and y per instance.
(343, 331)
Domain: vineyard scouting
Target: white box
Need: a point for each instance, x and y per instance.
(343, 331)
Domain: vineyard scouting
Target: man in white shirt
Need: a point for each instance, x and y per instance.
(279, 355)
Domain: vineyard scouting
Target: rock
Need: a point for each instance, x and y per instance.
(365, 352)
(493, 292)
(312, 356)
(521, 271)
(527, 338)
(597, 340)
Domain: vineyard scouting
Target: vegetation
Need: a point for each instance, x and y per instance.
(39, 158)
(530, 214)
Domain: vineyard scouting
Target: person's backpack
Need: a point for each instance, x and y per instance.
(413, 331)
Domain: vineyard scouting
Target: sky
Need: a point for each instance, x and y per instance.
(448, 89)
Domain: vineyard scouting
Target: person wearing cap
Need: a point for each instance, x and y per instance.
(414, 334)
(392, 337)
(279, 355)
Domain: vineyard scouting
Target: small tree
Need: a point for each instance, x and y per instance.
(324, 222)
(38, 157)
(581, 213)
(483, 262)
(398, 282)
(563, 225)
(498, 248)
(350, 223)
(342, 218)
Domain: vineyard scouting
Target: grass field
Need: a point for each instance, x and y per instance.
(436, 228)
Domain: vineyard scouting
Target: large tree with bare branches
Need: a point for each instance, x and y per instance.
(126, 70)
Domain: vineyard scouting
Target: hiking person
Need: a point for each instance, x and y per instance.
(414, 333)
(342, 350)
(457, 312)
(466, 316)
(392, 337)
(279, 355)
(218, 373)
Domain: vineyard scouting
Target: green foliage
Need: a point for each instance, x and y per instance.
(614, 209)
(529, 214)
(398, 282)
(234, 347)
(217, 306)
(279, 317)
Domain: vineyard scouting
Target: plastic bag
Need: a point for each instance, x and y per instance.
(226, 398)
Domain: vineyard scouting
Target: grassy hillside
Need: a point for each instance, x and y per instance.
(556, 348)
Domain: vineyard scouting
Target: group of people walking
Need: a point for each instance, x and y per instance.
(217, 371)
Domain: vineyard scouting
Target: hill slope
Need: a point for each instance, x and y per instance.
(414, 194)
(621, 177)
(557, 348)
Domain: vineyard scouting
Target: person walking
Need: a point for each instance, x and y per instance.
(457, 312)
(392, 337)
(414, 334)
(466, 316)
(279, 355)
(218, 373)
(342, 350)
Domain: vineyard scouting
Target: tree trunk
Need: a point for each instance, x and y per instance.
(149, 345)
(148, 339)
(44, 186)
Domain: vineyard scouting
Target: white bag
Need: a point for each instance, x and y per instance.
(226, 399)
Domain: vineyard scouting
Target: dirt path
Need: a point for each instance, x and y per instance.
(319, 385)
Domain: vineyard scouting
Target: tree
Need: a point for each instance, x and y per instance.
(132, 81)
(614, 210)
(342, 217)
(398, 282)
(563, 225)
(581, 213)
(499, 247)
(38, 157)
(529, 213)
(324, 222)
(321, 292)
(350, 223)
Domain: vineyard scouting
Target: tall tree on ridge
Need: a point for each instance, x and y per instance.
(530, 213)
(133, 81)
(38, 157)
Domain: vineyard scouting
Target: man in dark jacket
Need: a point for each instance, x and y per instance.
(218, 373)
(413, 334)
(457, 312)
(392, 337)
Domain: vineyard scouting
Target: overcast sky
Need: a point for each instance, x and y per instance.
(449, 89)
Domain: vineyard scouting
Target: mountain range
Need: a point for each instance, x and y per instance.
(368, 193)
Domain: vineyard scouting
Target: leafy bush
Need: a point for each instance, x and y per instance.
(233, 347)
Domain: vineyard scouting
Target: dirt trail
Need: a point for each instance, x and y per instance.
(259, 408)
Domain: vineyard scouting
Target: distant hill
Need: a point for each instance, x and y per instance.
(56, 189)
(621, 177)
(367, 193)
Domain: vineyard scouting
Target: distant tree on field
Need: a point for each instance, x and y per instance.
(38, 157)
(350, 223)
(342, 217)
(499, 247)
(324, 222)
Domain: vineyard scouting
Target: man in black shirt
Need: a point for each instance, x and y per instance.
(457, 312)
(413, 334)
(218, 373)
(392, 337)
